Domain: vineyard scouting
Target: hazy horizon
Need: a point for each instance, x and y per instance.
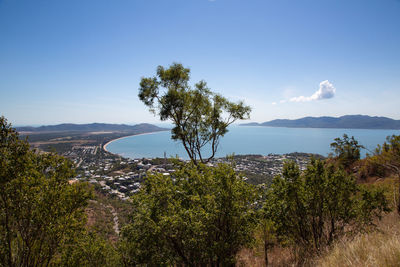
(168, 124)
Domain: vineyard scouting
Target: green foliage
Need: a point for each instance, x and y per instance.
(39, 211)
(389, 153)
(265, 234)
(312, 209)
(372, 167)
(347, 150)
(200, 116)
(89, 249)
(388, 156)
(100, 219)
(201, 216)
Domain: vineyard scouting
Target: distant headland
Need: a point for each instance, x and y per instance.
(344, 122)
(72, 138)
(93, 127)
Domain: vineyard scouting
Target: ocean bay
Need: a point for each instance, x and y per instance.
(242, 140)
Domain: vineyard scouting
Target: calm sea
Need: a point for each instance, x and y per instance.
(250, 140)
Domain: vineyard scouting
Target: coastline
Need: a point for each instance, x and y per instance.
(109, 142)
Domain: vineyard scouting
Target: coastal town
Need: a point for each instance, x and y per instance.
(122, 177)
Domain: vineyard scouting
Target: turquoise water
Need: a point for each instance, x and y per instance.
(250, 140)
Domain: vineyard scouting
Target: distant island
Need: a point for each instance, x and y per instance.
(344, 122)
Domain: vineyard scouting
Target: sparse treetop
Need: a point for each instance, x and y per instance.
(200, 116)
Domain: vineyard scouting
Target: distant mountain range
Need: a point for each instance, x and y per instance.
(93, 127)
(346, 122)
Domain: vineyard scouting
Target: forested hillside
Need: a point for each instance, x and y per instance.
(344, 122)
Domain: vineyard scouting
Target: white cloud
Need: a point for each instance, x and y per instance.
(325, 91)
(273, 103)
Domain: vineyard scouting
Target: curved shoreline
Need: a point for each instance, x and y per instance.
(109, 142)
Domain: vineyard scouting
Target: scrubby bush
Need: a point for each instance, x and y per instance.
(201, 216)
(312, 209)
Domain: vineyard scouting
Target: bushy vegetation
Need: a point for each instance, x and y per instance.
(347, 150)
(200, 217)
(377, 248)
(309, 211)
(89, 249)
(40, 213)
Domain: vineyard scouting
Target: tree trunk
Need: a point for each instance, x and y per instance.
(266, 252)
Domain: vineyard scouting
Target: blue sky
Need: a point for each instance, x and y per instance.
(81, 61)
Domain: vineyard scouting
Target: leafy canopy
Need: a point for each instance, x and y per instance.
(200, 216)
(389, 153)
(388, 156)
(200, 117)
(347, 150)
(312, 209)
(40, 212)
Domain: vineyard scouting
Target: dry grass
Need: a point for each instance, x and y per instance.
(379, 248)
(277, 257)
(248, 257)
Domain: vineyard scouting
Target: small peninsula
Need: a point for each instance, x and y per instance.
(343, 122)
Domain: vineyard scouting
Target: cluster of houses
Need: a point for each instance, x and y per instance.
(122, 177)
(113, 174)
(269, 165)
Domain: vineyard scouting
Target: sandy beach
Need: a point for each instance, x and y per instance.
(106, 144)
